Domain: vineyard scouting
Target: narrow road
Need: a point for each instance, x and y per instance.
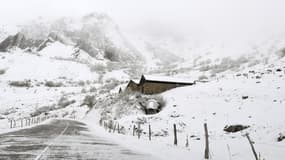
(62, 139)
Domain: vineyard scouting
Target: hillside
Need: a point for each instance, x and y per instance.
(75, 67)
(253, 97)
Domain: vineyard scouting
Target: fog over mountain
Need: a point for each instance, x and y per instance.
(223, 21)
(142, 79)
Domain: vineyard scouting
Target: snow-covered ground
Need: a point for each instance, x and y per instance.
(57, 80)
(218, 103)
(243, 88)
(46, 81)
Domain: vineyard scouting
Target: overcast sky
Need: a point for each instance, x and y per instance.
(216, 19)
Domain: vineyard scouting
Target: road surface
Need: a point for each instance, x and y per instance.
(62, 139)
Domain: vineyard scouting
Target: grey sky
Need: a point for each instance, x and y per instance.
(213, 19)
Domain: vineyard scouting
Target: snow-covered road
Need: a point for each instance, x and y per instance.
(62, 139)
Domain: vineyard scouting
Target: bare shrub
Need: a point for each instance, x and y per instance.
(81, 83)
(281, 53)
(53, 84)
(205, 68)
(64, 114)
(112, 53)
(97, 68)
(202, 77)
(9, 111)
(2, 71)
(43, 109)
(92, 89)
(111, 84)
(64, 102)
(83, 90)
(25, 83)
(90, 101)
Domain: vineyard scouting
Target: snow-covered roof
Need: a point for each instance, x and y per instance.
(167, 79)
(137, 81)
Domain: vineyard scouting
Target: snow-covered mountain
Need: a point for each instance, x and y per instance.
(207, 55)
(190, 58)
(95, 34)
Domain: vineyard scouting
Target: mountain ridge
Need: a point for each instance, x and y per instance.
(96, 34)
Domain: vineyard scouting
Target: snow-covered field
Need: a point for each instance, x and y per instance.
(46, 81)
(218, 103)
(53, 81)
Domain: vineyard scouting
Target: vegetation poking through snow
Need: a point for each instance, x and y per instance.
(126, 103)
(281, 137)
(281, 54)
(43, 109)
(111, 84)
(97, 68)
(25, 83)
(89, 101)
(64, 102)
(2, 71)
(53, 84)
(235, 128)
(202, 77)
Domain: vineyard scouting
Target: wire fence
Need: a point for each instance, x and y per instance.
(112, 126)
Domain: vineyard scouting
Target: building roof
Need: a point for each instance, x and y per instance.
(136, 81)
(167, 79)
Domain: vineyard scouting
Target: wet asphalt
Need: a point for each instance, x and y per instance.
(62, 139)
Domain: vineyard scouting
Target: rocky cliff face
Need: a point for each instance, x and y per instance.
(95, 34)
(20, 41)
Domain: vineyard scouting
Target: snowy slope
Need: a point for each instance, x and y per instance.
(218, 103)
(20, 66)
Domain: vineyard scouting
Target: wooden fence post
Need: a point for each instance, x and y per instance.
(11, 123)
(207, 141)
(100, 122)
(187, 141)
(14, 123)
(134, 128)
(118, 128)
(251, 145)
(175, 134)
(149, 132)
(139, 130)
(110, 126)
(229, 150)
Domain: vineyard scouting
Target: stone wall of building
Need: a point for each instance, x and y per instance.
(154, 88)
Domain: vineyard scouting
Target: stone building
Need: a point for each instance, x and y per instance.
(156, 84)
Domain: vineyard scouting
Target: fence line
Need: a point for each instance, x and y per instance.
(28, 121)
(136, 130)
